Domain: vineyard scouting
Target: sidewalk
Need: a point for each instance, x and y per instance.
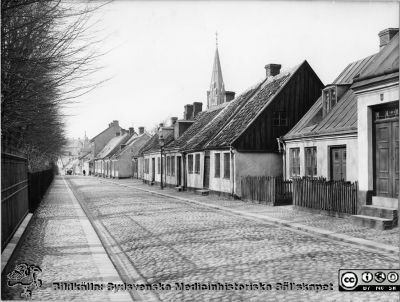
(62, 242)
(341, 229)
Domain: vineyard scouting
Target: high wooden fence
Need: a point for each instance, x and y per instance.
(267, 189)
(38, 184)
(14, 194)
(323, 195)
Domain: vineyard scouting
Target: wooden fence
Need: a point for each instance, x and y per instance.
(14, 194)
(266, 189)
(323, 195)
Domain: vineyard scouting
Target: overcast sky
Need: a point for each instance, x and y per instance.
(162, 52)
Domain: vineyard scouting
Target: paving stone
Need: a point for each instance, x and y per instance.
(57, 242)
(169, 240)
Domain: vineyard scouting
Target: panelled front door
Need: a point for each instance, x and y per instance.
(206, 171)
(386, 174)
(338, 163)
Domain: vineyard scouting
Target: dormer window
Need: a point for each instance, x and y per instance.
(331, 96)
(329, 99)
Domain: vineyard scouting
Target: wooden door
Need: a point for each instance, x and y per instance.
(206, 171)
(178, 171)
(338, 163)
(387, 159)
(153, 169)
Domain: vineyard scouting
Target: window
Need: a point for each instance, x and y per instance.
(168, 165)
(158, 165)
(279, 118)
(190, 163)
(173, 165)
(329, 99)
(311, 161)
(295, 162)
(217, 165)
(197, 164)
(227, 165)
(146, 166)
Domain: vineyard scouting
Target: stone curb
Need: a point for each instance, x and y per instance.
(376, 246)
(10, 247)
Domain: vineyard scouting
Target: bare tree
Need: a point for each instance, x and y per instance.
(47, 56)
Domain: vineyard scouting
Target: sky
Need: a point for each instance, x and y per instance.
(158, 56)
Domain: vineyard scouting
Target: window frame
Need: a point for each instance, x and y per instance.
(329, 99)
(190, 163)
(159, 165)
(146, 165)
(217, 175)
(292, 163)
(197, 163)
(168, 165)
(172, 165)
(279, 119)
(227, 167)
(310, 163)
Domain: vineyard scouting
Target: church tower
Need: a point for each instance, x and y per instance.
(216, 94)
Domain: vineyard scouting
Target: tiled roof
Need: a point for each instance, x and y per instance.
(342, 118)
(252, 106)
(200, 140)
(221, 126)
(200, 121)
(134, 144)
(113, 145)
(93, 138)
(154, 145)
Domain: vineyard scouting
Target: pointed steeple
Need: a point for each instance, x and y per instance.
(216, 94)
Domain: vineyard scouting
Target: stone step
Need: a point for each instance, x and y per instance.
(381, 212)
(374, 222)
(385, 202)
(202, 192)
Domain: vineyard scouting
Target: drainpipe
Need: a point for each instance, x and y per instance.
(232, 171)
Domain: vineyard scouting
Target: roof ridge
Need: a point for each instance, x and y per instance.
(256, 88)
(293, 71)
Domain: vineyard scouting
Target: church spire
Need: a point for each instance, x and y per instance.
(216, 94)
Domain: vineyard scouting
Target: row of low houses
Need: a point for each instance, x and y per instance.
(288, 125)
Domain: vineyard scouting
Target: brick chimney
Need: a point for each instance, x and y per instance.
(188, 113)
(386, 35)
(229, 96)
(272, 70)
(141, 130)
(173, 120)
(197, 108)
(131, 131)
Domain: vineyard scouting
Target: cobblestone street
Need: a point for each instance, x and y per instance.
(169, 240)
(156, 239)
